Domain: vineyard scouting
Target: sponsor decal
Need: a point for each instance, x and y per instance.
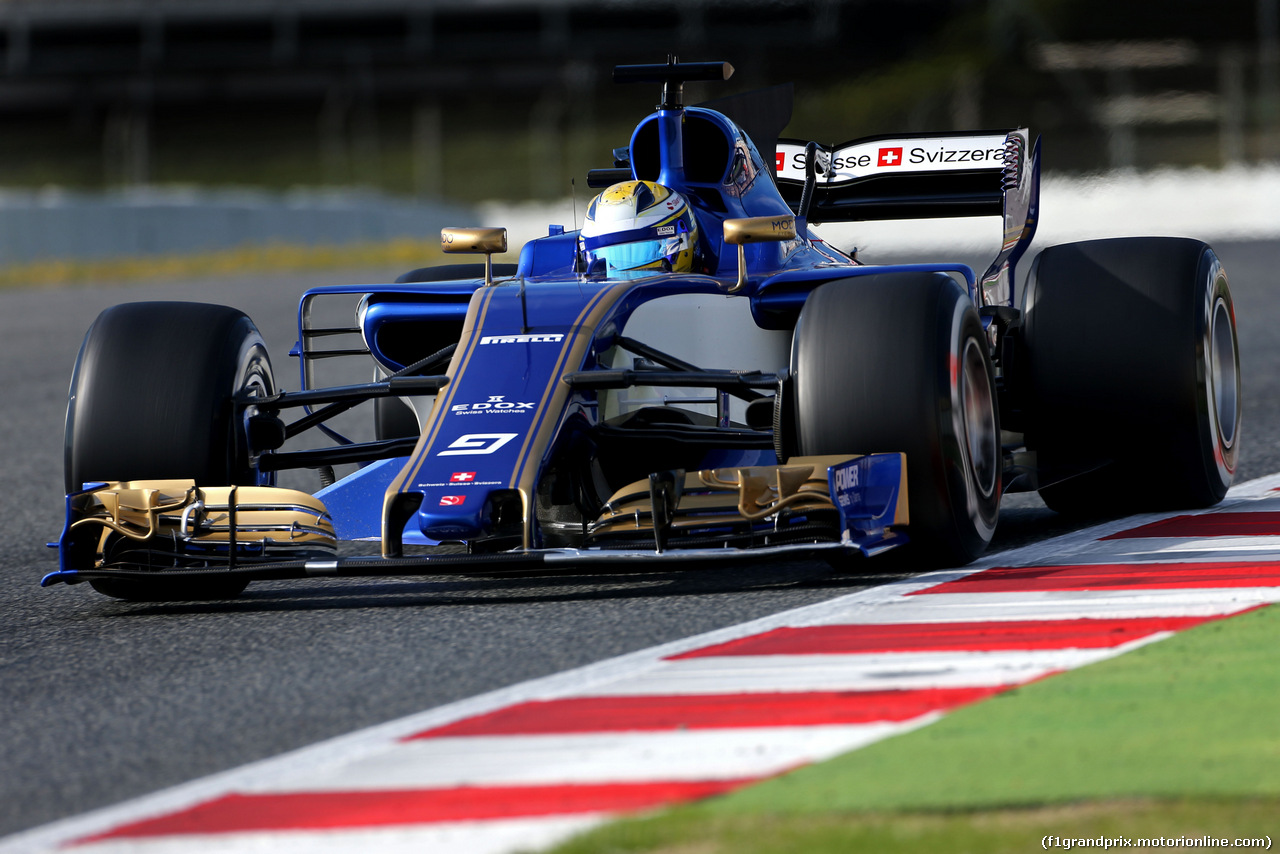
(846, 482)
(866, 491)
(452, 500)
(445, 532)
(476, 444)
(840, 163)
(462, 477)
(847, 478)
(990, 157)
(496, 403)
(554, 338)
(666, 230)
(889, 157)
(921, 154)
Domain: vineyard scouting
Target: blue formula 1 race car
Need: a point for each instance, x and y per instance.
(692, 376)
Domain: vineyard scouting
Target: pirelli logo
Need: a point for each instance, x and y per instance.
(522, 339)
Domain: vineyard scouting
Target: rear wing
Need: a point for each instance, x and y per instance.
(906, 176)
(922, 176)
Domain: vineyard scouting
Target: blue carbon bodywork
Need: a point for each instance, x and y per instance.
(496, 424)
(66, 544)
(499, 422)
(478, 438)
(355, 502)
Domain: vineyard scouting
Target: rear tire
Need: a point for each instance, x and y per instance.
(150, 399)
(898, 362)
(1132, 375)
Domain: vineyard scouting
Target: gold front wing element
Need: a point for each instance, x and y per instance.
(716, 496)
(177, 515)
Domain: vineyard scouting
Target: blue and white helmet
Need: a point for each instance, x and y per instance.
(640, 228)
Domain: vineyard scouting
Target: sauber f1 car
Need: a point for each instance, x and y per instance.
(692, 376)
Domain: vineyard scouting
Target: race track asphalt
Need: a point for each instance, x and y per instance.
(101, 700)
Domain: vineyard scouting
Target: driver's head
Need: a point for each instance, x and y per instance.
(640, 228)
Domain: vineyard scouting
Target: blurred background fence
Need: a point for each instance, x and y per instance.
(162, 221)
(511, 99)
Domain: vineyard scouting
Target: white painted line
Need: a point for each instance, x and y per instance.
(1133, 551)
(747, 674)
(1205, 546)
(469, 837)
(1070, 605)
(724, 754)
(1261, 487)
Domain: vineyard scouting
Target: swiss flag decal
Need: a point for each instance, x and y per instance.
(462, 477)
(781, 161)
(889, 157)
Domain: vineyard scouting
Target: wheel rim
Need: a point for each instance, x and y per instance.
(1224, 370)
(978, 409)
(254, 378)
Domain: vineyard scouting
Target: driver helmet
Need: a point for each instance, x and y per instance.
(640, 228)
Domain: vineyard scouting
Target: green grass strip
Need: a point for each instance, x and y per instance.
(271, 258)
(1000, 831)
(1193, 715)
(1174, 737)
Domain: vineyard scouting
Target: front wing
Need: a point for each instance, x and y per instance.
(163, 531)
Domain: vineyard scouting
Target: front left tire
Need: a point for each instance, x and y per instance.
(151, 399)
(898, 362)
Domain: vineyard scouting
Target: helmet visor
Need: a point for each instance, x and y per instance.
(640, 254)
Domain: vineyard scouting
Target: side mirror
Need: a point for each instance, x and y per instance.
(756, 229)
(475, 241)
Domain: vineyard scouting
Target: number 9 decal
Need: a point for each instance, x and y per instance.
(474, 444)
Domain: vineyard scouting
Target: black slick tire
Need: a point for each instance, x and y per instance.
(150, 399)
(1132, 375)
